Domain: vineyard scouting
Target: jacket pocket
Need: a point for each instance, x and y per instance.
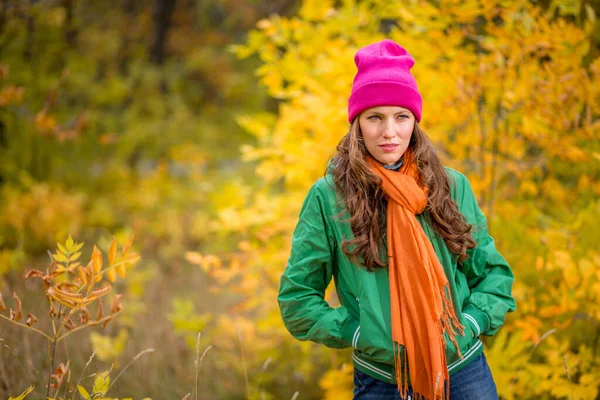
(374, 339)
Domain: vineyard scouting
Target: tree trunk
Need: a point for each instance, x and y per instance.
(129, 14)
(30, 38)
(3, 12)
(70, 31)
(161, 16)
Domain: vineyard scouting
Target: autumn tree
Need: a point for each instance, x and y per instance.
(510, 99)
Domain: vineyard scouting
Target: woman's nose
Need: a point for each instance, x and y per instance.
(388, 128)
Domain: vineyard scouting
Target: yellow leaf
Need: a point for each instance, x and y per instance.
(59, 257)
(109, 348)
(70, 244)
(22, 395)
(77, 246)
(74, 256)
(62, 248)
(194, 257)
(572, 277)
(84, 393)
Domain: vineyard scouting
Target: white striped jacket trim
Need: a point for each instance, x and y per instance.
(387, 375)
(356, 337)
(470, 318)
(372, 368)
(466, 356)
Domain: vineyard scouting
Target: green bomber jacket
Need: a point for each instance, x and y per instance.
(481, 286)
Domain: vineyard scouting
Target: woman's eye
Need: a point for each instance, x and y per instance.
(372, 117)
(402, 116)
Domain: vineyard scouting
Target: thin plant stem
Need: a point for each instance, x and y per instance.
(3, 378)
(203, 354)
(51, 317)
(199, 363)
(567, 370)
(295, 395)
(27, 327)
(51, 367)
(66, 384)
(80, 327)
(16, 358)
(263, 369)
(544, 336)
(243, 362)
(195, 391)
(141, 353)
(53, 354)
(64, 323)
(83, 372)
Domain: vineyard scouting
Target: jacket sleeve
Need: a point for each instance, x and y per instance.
(489, 276)
(305, 313)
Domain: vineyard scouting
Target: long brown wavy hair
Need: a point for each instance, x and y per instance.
(360, 189)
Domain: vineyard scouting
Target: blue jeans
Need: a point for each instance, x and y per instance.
(474, 382)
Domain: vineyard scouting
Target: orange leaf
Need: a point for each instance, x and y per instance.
(106, 322)
(97, 259)
(116, 304)
(100, 312)
(84, 315)
(31, 319)
(112, 252)
(2, 305)
(132, 258)
(99, 292)
(34, 273)
(16, 315)
(112, 274)
(121, 270)
(127, 246)
(82, 274)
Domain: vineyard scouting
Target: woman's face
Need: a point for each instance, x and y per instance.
(387, 131)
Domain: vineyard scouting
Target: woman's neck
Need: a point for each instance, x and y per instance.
(396, 166)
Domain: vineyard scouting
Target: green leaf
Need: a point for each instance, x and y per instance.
(101, 383)
(22, 395)
(84, 393)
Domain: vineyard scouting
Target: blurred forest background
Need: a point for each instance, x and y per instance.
(199, 125)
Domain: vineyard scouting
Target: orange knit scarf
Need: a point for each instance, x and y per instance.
(419, 293)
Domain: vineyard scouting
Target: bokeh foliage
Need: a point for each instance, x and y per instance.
(511, 99)
(206, 145)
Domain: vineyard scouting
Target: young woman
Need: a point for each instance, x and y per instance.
(416, 271)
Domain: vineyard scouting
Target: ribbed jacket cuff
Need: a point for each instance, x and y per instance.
(478, 320)
(351, 332)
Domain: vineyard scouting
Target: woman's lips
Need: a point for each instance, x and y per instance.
(389, 147)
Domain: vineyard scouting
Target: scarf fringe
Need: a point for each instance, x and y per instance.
(401, 364)
(449, 324)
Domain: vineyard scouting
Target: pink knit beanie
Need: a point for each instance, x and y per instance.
(384, 79)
